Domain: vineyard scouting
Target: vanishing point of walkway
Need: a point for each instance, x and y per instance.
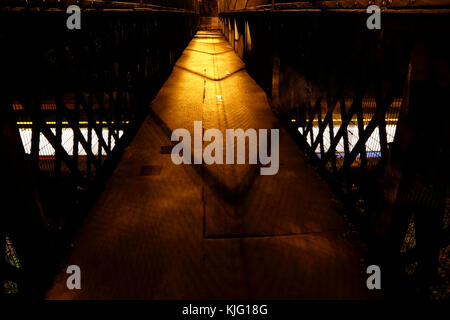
(161, 231)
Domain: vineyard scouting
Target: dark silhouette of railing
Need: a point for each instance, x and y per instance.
(370, 109)
(71, 102)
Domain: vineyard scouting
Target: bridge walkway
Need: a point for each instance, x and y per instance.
(162, 231)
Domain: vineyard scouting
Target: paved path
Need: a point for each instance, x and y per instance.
(161, 231)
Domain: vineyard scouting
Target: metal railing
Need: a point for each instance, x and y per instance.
(72, 102)
(104, 5)
(227, 6)
(370, 109)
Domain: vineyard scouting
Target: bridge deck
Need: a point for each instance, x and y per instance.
(161, 231)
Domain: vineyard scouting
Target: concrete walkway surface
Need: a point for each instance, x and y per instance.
(161, 231)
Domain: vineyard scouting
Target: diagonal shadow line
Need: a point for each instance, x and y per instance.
(233, 196)
(205, 41)
(209, 78)
(212, 54)
(201, 37)
(206, 36)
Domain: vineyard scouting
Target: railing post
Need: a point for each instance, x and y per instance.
(58, 135)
